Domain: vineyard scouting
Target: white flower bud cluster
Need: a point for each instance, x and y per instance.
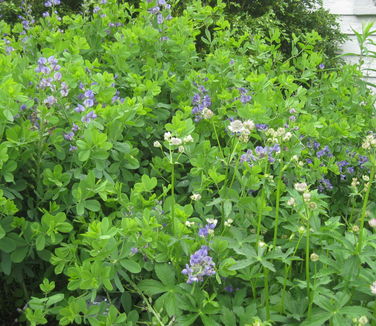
(369, 142)
(229, 222)
(242, 129)
(280, 133)
(196, 197)
(301, 186)
(207, 113)
(189, 224)
(175, 141)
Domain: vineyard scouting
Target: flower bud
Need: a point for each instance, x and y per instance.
(314, 257)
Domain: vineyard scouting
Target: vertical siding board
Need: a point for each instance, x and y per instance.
(352, 15)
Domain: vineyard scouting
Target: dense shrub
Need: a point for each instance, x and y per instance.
(145, 180)
(290, 16)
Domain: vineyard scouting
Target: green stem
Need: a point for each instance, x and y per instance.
(173, 195)
(150, 308)
(260, 215)
(287, 272)
(266, 289)
(310, 299)
(363, 213)
(278, 195)
(216, 137)
(307, 259)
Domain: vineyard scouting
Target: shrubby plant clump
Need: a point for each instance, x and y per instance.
(144, 181)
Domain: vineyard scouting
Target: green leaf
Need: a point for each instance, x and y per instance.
(19, 254)
(227, 205)
(151, 287)
(228, 317)
(131, 265)
(7, 244)
(55, 299)
(241, 264)
(40, 242)
(6, 263)
(93, 205)
(165, 273)
(186, 320)
(2, 232)
(170, 304)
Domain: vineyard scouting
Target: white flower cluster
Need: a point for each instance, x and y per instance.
(369, 142)
(307, 196)
(196, 197)
(175, 141)
(280, 133)
(243, 129)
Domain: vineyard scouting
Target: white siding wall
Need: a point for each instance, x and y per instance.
(353, 14)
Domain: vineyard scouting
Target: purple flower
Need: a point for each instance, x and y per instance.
(69, 136)
(229, 288)
(262, 126)
(89, 116)
(154, 10)
(324, 152)
(207, 229)
(80, 108)
(75, 128)
(51, 100)
(362, 159)
(200, 265)
(72, 148)
(324, 184)
(57, 76)
(96, 9)
(46, 14)
(88, 103)
(245, 98)
(321, 66)
(159, 19)
(134, 250)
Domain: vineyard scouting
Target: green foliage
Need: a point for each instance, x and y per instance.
(179, 172)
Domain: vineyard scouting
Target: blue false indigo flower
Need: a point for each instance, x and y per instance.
(324, 152)
(72, 148)
(75, 128)
(89, 116)
(134, 250)
(50, 100)
(159, 19)
(229, 289)
(96, 9)
(64, 91)
(245, 98)
(162, 2)
(69, 136)
(80, 108)
(321, 66)
(261, 126)
(88, 103)
(200, 265)
(57, 76)
(324, 184)
(46, 14)
(362, 159)
(154, 10)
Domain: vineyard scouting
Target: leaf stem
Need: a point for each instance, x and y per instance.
(363, 212)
